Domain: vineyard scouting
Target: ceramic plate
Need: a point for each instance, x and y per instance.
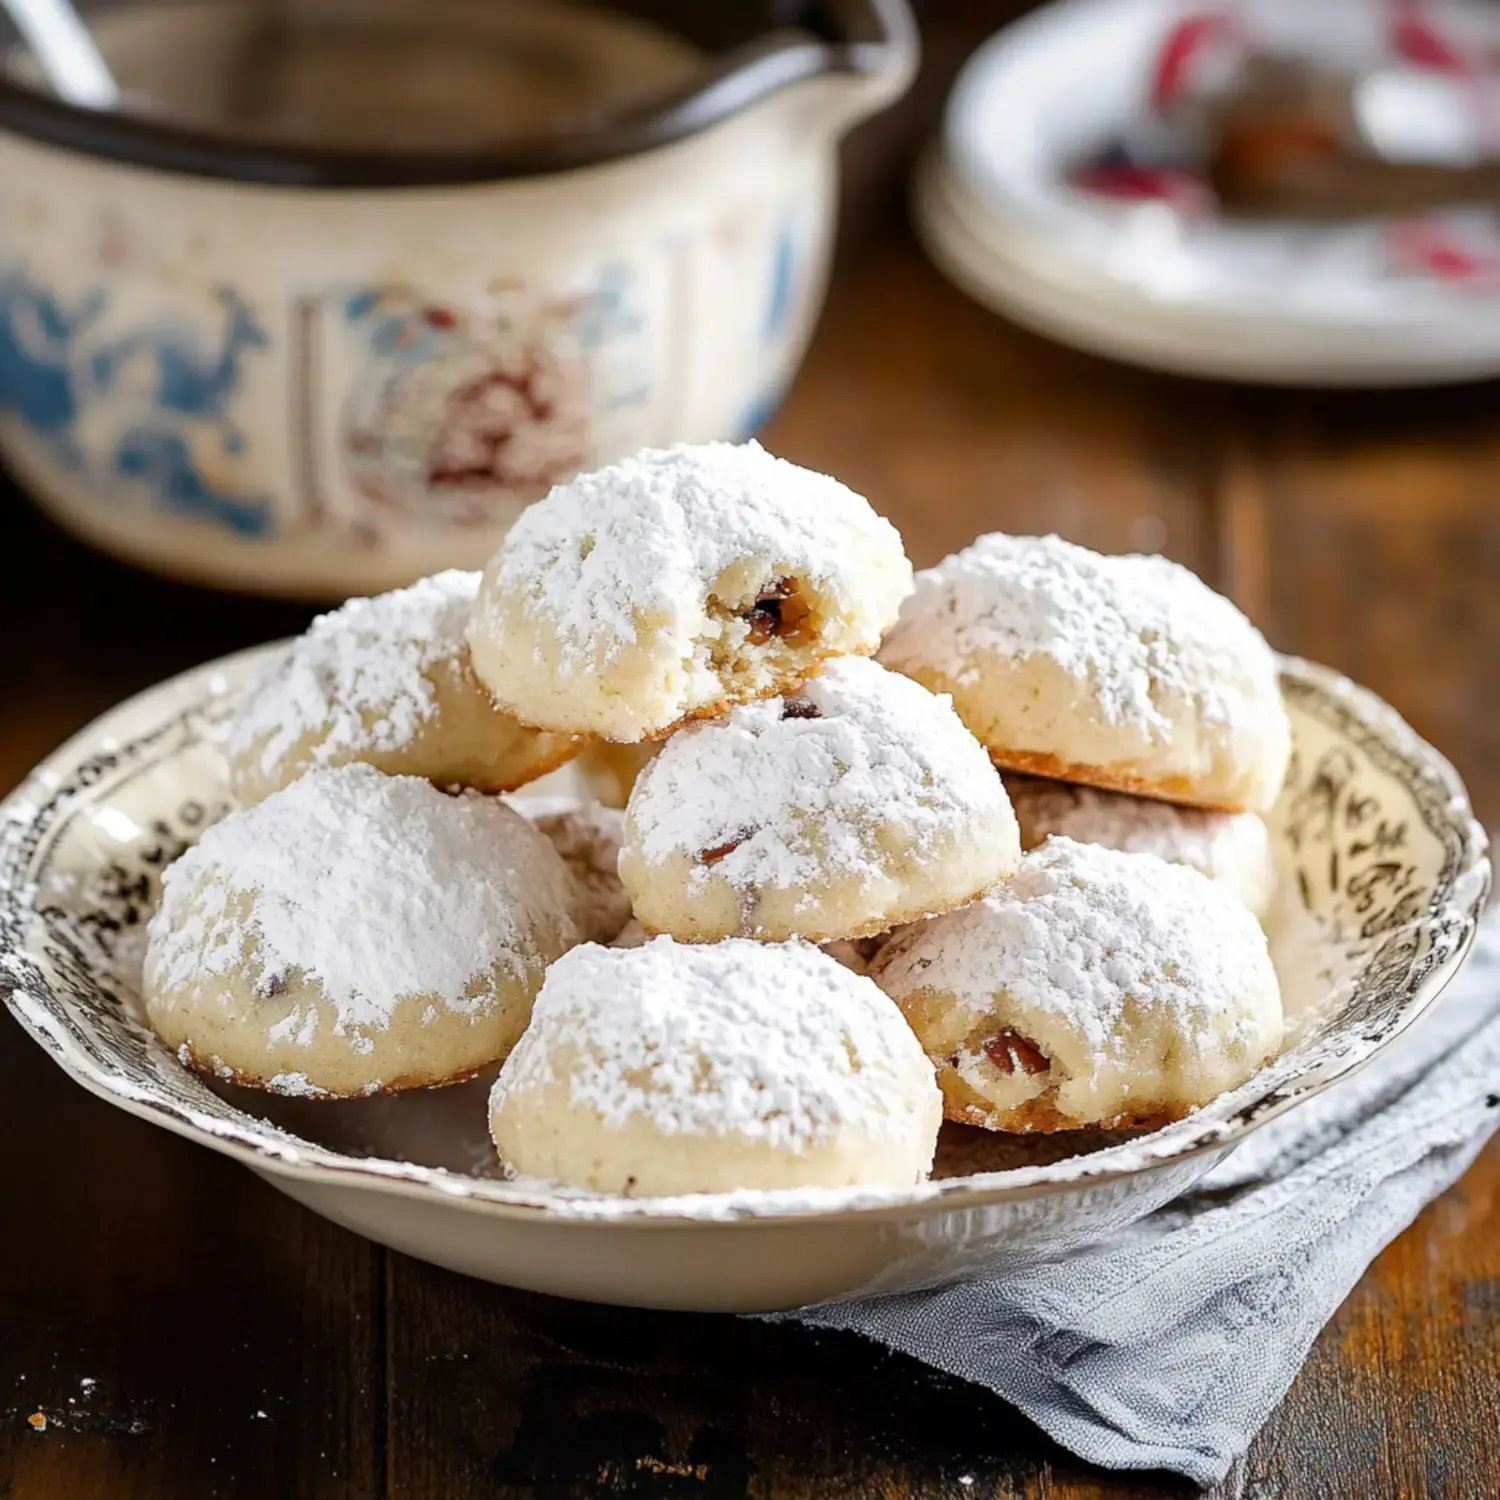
(1368, 303)
(1385, 873)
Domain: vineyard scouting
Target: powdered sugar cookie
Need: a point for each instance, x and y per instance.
(1121, 672)
(677, 583)
(588, 837)
(1234, 848)
(1094, 988)
(859, 804)
(355, 933)
(677, 1069)
(387, 681)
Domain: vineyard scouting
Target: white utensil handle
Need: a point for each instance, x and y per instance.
(66, 51)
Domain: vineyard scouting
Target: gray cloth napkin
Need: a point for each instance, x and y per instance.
(1169, 1347)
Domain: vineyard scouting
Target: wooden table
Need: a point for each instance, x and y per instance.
(191, 1332)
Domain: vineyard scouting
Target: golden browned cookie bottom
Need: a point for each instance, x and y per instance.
(1178, 789)
(406, 1085)
(535, 770)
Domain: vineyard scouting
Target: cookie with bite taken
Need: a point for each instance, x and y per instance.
(676, 584)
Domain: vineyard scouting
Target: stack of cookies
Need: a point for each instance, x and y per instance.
(1108, 676)
(813, 932)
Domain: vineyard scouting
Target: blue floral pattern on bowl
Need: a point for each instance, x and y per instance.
(168, 396)
(324, 394)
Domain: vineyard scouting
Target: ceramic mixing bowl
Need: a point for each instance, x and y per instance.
(230, 356)
(1385, 873)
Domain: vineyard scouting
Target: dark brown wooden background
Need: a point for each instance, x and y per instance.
(189, 1332)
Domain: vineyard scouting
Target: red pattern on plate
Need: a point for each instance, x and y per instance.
(1185, 43)
(1432, 248)
(1129, 184)
(1415, 37)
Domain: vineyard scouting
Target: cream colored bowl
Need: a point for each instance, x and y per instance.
(331, 370)
(1385, 875)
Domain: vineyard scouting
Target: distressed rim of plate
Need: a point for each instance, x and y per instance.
(1444, 931)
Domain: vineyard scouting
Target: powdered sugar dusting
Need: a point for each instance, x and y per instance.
(1231, 846)
(639, 545)
(295, 1086)
(799, 787)
(298, 1026)
(1092, 936)
(771, 1042)
(379, 887)
(357, 677)
(1136, 628)
(1133, 824)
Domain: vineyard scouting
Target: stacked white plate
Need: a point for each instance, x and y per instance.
(1367, 304)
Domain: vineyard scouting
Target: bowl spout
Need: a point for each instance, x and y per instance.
(846, 60)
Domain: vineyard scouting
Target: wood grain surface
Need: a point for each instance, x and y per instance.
(190, 1332)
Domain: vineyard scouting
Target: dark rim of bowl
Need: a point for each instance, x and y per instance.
(872, 37)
